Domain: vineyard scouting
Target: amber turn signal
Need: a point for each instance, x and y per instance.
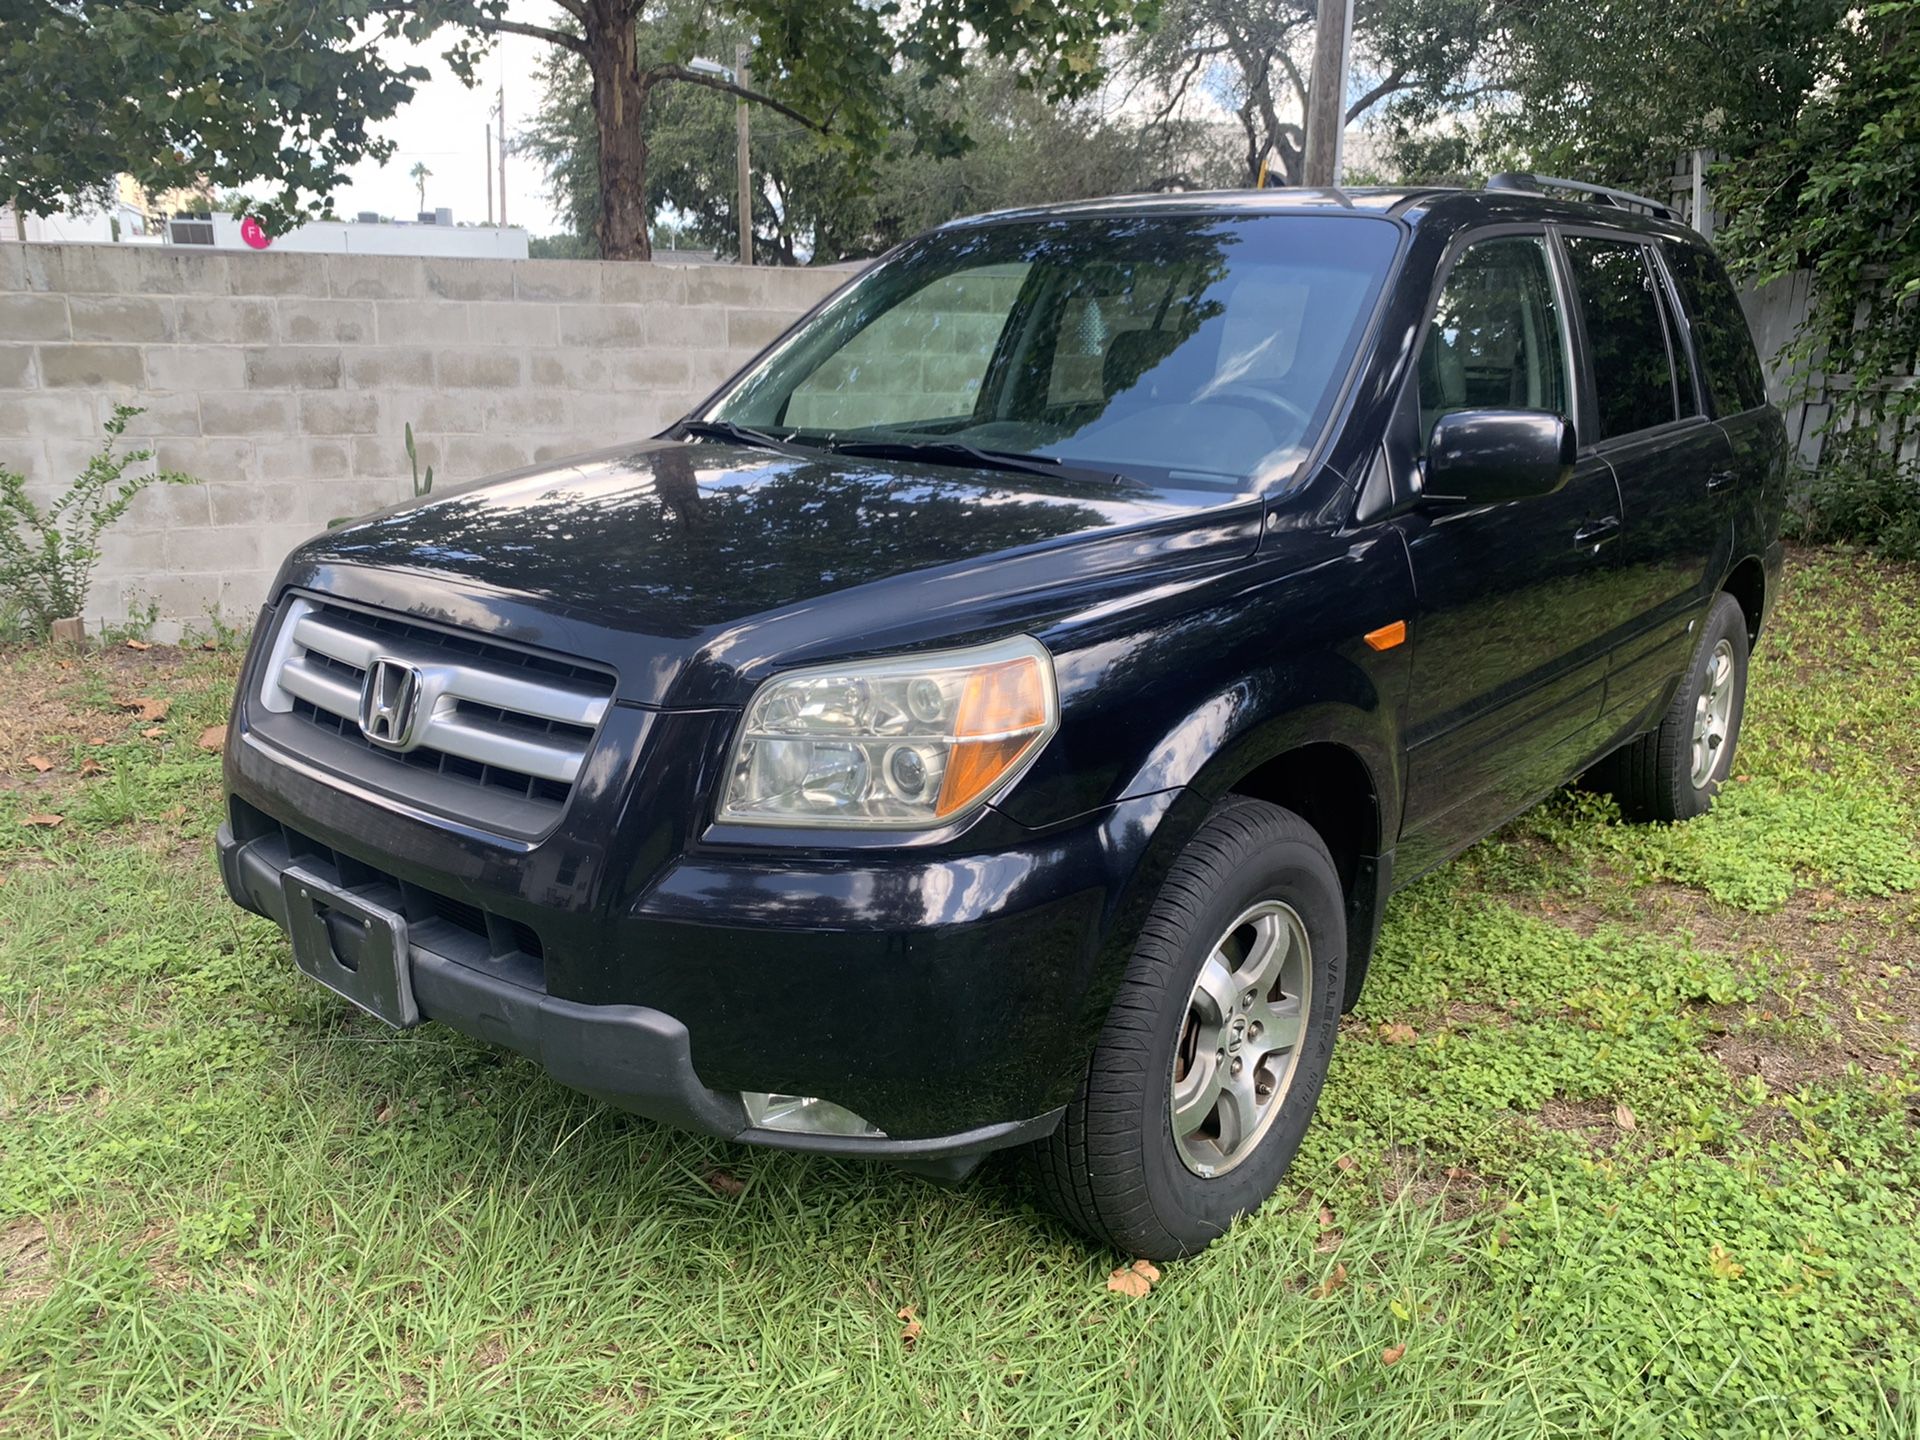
(1387, 636)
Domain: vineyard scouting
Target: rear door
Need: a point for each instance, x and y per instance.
(1510, 640)
(1670, 460)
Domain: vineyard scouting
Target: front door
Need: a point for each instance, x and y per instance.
(1515, 600)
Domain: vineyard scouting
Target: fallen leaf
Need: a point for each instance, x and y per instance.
(214, 737)
(1391, 1355)
(1458, 1172)
(1326, 1217)
(96, 739)
(148, 708)
(45, 821)
(383, 1115)
(1345, 1162)
(721, 1183)
(1398, 1034)
(1336, 1279)
(1623, 1117)
(910, 1332)
(153, 732)
(1129, 1281)
(1147, 1271)
(91, 766)
(1724, 1265)
(138, 645)
(40, 763)
(208, 645)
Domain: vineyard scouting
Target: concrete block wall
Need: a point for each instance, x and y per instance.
(284, 383)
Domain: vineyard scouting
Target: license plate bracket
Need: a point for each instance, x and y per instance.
(354, 947)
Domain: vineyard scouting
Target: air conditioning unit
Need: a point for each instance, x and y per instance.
(190, 232)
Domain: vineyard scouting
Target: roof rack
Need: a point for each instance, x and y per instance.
(1526, 183)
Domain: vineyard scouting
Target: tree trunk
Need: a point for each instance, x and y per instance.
(619, 112)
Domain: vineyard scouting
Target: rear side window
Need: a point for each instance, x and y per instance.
(1496, 342)
(1626, 334)
(1720, 329)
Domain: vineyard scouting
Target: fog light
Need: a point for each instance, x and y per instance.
(805, 1115)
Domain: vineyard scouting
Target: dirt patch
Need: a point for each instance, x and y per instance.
(26, 1263)
(1593, 1121)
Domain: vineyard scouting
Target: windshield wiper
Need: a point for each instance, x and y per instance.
(958, 452)
(740, 435)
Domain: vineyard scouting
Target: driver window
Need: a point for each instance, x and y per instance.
(1496, 342)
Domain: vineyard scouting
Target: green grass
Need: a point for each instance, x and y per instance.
(1620, 1142)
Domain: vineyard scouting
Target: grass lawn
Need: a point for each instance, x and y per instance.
(1621, 1142)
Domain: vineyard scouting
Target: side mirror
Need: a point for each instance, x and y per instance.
(1481, 457)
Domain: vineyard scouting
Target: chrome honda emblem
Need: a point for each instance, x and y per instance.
(390, 703)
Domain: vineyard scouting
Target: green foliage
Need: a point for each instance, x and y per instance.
(422, 484)
(1863, 491)
(47, 554)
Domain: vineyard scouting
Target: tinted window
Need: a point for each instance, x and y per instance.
(1626, 334)
(1194, 352)
(1496, 342)
(1720, 330)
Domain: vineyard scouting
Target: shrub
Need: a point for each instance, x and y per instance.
(47, 554)
(1862, 491)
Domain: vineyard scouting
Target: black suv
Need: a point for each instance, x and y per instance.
(999, 715)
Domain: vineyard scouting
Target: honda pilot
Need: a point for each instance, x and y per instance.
(998, 716)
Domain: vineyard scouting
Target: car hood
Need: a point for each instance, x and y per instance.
(694, 568)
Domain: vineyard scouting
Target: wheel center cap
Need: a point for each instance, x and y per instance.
(1236, 1034)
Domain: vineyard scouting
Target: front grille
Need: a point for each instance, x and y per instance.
(514, 725)
(441, 923)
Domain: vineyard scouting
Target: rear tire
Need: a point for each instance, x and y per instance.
(1222, 1030)
(1673, 772)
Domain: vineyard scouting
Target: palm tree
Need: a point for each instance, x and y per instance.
(420, 174)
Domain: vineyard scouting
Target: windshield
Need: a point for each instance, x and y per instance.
(1195, 353)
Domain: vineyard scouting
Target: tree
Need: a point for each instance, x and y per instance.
(420, 175)
(285, 90)
(1254, 54)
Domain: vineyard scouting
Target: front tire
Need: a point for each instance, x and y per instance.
(1674, 772)
(1211, 1060)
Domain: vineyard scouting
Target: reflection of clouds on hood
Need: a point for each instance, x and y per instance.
(695, 535)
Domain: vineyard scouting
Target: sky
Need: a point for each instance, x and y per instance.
(445, 127)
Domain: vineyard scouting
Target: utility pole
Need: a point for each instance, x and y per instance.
(1327, 98)
(500, 104)
(743, 159)
(487, 165)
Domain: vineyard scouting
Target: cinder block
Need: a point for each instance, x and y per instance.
(91, 367)
(752, 329)
(346, 413)
(376, 277)
(228, 412)
(452, 279)
(255, 502)
(388, 367)
(604, 326)
(218, 319)
(224, 548)
(708, 369)
(638, 370)
(34, 317)
(527, 410)
(122, 318)
(434, 412)
(97, 269)
(241, 596)
(167, 415)
(45, 267)
(730, 285)
(13, 266)
(471, 457)
(16, 368)
(421, 322)
(25, 458)
(282, 272)
(576, 281)
(522, 322)
(304, 459)
(326, 322)
(703, 328)
(344, 499)
(176, 270)
(169, 507)
(293, 367)
(194, 368)
(384, 457)
(638, 282)
(480, 369)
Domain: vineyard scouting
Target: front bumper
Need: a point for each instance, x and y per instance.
(951, 1000)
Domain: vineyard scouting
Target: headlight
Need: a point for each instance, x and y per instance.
(915, 741)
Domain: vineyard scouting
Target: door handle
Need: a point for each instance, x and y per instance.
(1720, 480)
(1596, 533)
